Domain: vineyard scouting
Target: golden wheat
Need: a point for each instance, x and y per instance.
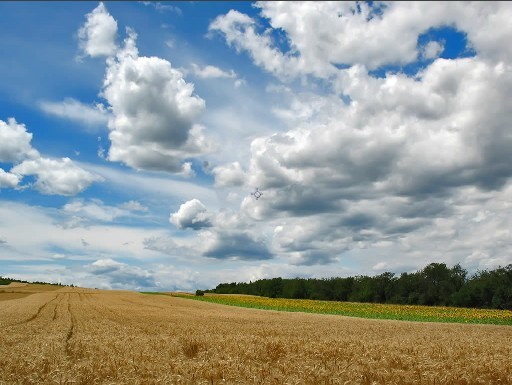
(83, 336)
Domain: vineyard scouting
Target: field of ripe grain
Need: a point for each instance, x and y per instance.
(84, 336)
(16, 290)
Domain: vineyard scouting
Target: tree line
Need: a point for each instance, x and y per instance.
(7, 281)
(436, 284)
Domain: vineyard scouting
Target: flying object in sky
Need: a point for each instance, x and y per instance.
(257, 194)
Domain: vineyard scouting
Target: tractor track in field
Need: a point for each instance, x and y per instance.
(71, 330)
(61, 298)
(36, 315)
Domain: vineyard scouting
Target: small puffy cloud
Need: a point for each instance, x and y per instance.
(121, 275)
(73, 222)
(228, 236)
(15, 142)
(98, 34)
(106, 265)
(212, 72)
(311, 257)
(133, 206)
(163, 7)
(229, 175)
(432, 50)
(56, 176)
(81, 213)
(239, 82)
(74, 110)
(152, 125)
(164, 245)
(94, 210)
(235, 244)
(169, 246)
(53, 176)
(191, 214)
(381, 266)
(8, 180)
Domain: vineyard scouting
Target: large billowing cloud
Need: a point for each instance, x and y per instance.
(321, 35)
(378, 162)
(98, 34)
(154, 112)
(390, 161)
(399, 135)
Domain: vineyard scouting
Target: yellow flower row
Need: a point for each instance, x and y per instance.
(368, 310)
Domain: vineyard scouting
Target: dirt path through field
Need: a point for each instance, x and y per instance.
(83, 336)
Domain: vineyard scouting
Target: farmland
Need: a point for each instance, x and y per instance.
(367, 310)
(83, 336)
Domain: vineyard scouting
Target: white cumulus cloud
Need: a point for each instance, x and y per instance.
(98, 34)
(53, 176)
(122, 275)
(212, 72)
(229, 175)
(15, 142)
(191, 214)
(8, 180)
(56, 176)
(154, 110)
(234, 244)
(321, 35)
(432, 50)
(240, 32)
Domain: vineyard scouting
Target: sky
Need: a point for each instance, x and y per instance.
(133, 136)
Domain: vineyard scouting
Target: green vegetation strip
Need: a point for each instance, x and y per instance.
(364, 310)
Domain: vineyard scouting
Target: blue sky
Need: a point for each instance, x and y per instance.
(133, 133)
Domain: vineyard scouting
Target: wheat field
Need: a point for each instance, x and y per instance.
(85, 336)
